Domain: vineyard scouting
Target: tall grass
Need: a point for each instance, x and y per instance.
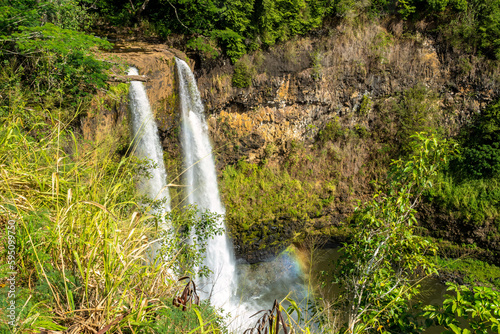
(81, 242)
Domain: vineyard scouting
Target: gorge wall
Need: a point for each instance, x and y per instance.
(320, 117)
(333, 108)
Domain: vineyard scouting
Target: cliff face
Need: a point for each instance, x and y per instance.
(309, 81)
(157, 63)
(327, 111)
(363, 82)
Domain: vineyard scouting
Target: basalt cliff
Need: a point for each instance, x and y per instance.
(328, 111)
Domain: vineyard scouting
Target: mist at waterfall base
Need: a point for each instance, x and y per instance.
(146, 145)
(241, 290)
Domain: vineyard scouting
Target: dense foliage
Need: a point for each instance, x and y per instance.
(468, 310)
(470, 185)
(246, 25)
(481, 152)
(380, 272)
(42, 49)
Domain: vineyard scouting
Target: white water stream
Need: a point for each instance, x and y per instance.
(146, 143)
(202, 190)
(258, 285)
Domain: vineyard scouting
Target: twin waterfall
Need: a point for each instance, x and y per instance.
(200, 177)
(222, 287)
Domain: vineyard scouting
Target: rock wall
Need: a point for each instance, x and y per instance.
(157, 63)
(349, 75)
(311, 80)
(339, 85)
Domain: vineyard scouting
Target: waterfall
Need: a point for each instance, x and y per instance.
(241, 296)
(202, 189)
(146, 143)
(256, 288)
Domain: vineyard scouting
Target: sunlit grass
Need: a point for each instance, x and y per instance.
(474, 199)
(82, 241)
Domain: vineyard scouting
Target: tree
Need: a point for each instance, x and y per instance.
(41, 43)
(380, 270)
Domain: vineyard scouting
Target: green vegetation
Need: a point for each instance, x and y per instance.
(74, 226)
(379, 273)
(475, 272)
(174, 320)
(475, 28)
(469, 187)
(42, 51)
(469, 310)
(331, 132)
(82, 248)
(263, 202)
(476, 200)
(480, 158)
(247, 25)
(242, 76)
(415, 110)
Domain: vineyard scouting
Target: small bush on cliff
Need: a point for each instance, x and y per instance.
(242, 76)
(332, 131)
(415, 110)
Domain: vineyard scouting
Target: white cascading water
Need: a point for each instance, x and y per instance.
(221, 288)
(147, 146)
(240, 296)
(202, 189)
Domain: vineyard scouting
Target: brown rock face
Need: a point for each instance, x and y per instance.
(306, 82)
(349, 78)
(157, 63)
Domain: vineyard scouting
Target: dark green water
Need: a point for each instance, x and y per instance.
(322, 265)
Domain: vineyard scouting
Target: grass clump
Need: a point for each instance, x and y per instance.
(81, 251)
(472, 199)
(83, 245)
(332, 131)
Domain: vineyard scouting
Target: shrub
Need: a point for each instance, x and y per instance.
(331, 132)
(242, 76)
(481, 145)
